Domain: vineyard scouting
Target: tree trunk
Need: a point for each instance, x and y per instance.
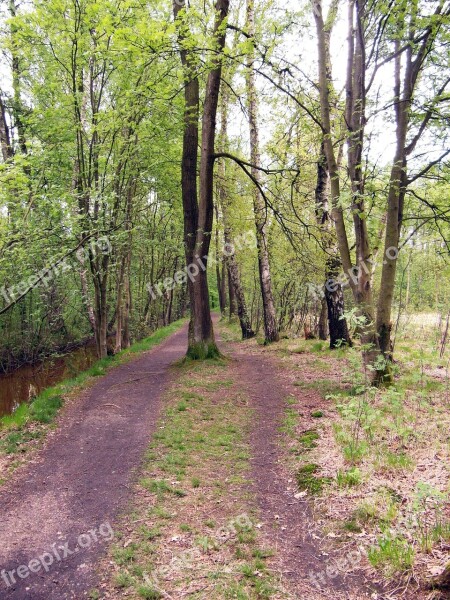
(405, 81)
(123, 306)
(220, 270)
(233, 311)
(323, 320)
(126, 338)
(86, 299)
(101, 313)
(334, 294)
(237, 298)
(260, 209)
(238, 291)
(118, 312)
(397, 187)
(355, 90)
(5, 136)
(199, 213)
(17, 107)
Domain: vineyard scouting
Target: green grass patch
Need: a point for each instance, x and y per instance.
(123, 580)
(308, 479)
(318, 347)
(149, 593)
(290, 421)
(15, 441)
(350, 478)
(323, 386)
(392, 554)
(397, 460)
(308, 439)
(352, 526)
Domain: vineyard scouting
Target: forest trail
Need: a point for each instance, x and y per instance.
(79, 482)
(300, 559)
(84, 479)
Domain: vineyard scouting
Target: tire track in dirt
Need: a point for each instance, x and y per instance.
(288, 522)
(80, 479)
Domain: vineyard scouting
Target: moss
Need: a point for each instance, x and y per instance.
(308, 480)
(353, 526)
(317, 414)
(308, 439)
(202, 351)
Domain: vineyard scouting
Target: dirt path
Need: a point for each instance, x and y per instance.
(79, 482)
(289, 525)
(61, 510)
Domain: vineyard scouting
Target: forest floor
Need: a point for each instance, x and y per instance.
(245, 477)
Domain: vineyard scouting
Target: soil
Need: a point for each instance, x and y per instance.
(83, 478)
(80, 480)
(289, 520)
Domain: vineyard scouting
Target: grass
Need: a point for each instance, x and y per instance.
(386, 442)
(201, 451)
(350, 478)
(392, 554)
(308, 439)
(290, 421)
(352, 526)
(20, 431)
(308, 479)
(149, 593)
(323, 386)
(396, 460)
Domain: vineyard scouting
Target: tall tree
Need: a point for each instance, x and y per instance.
(409, 62)
(259, 205)
(237, 295)
(419, 39)
(199, 205)
(333, 290)
(354, 113)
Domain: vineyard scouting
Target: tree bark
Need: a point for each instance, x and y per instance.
(237, 297)
(86, 299)
(123, 305)
(260, 209)
(323, 320)
(220, 270)
(233, 311)
(199, 212)
(334, 296)
(101, 306)
(355, 102)
(334, 293)
(5, 135)
(17, 107)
